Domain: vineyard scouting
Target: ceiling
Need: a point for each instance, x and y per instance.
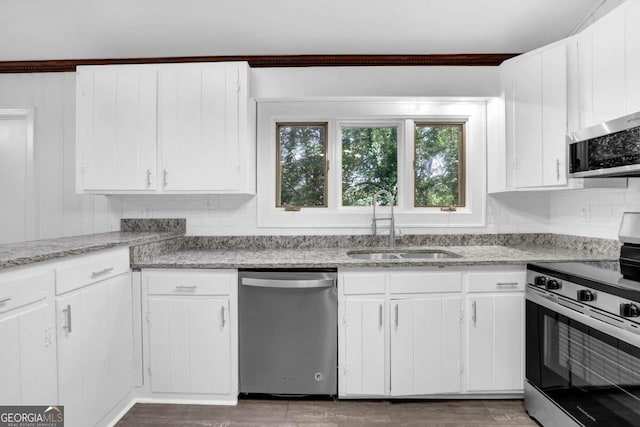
(92, 29)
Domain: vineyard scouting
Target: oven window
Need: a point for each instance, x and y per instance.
(593, 376)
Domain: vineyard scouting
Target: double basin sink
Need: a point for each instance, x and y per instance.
(400, 254)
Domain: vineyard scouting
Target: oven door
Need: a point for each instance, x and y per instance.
(587, 367)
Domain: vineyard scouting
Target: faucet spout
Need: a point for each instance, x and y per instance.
(391, 219)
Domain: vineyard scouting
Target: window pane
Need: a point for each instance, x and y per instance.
(302, 166)
(439, 164)
(369, 163)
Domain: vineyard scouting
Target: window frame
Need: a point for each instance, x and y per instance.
(371, 111)
(325, 124)
(400, 149)
(462, 161)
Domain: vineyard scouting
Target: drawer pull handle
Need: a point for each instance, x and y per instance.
(101, 272)
(7, 299)
(67, 324)
(186, 288)
(474, 315)
(507, 284)
(224, 321)
(380, 315)
(397, 309)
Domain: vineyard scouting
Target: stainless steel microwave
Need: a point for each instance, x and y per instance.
(608, 149)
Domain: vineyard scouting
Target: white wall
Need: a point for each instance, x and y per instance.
(374, 81)
(59, 211)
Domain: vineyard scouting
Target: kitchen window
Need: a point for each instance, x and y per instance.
(439, 165)
(329, 157)
(301, 170)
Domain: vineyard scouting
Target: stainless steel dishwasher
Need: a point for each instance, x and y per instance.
(288, 326)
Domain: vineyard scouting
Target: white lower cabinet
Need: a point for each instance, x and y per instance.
(191, 333)
(27, 337)
(363, 351)
(425, 345)
(399, 333)
(495, 331)
(95, 349)
(420, 332)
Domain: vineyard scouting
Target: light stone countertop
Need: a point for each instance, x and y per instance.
(337, 257)
(15, 254)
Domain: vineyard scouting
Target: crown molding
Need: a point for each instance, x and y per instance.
(266, 61)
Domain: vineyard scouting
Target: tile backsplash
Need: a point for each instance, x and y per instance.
(590, 213)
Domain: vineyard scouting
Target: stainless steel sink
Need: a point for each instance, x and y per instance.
(429, 255)
(413, 254)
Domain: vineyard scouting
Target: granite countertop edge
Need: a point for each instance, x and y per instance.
(29, 252)
(338, 258)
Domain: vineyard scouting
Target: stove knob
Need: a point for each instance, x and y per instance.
(629, 310)
(553, 284)
(540, 281)
(586, 295)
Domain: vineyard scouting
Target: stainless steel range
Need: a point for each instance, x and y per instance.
(583, 338)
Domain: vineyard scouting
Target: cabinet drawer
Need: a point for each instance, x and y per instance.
(177, 282)
(87, 269)
(363, 284)
(497, 281)
(17, 290)
(411, 283)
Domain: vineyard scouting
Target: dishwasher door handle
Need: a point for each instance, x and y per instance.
(289, 284)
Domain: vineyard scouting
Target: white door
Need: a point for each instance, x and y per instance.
(528, 122)
(95, 349)
(120, 338)
(28, 358)
(198, 107)
(425, 346)
(189, 345)
(495, 346)
(554, 115)
(609, 69)
(116, 125)
(632, 58)
(16, 175)
(364, 358)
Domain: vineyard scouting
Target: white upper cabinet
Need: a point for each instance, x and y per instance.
(200, 129)
(167, 128)
(608, 67)
(535, 91)
(632, 58)
(116, 128)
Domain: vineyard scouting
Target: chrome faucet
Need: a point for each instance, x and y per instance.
(391, 219)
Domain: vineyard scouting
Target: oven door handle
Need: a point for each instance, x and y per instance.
(625, 332)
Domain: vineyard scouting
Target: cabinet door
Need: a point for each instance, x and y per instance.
(425, 346)
(364, 373)
(199, 108)
(120, 338)
(28, 358)
(189, 345)
(528, 122)
(116, 128)
(608, 69)
(95, 348)
(554, 115)
(632, 58)
(495, 346)
(584, 50)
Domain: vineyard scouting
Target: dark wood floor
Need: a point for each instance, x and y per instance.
(313, 413)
